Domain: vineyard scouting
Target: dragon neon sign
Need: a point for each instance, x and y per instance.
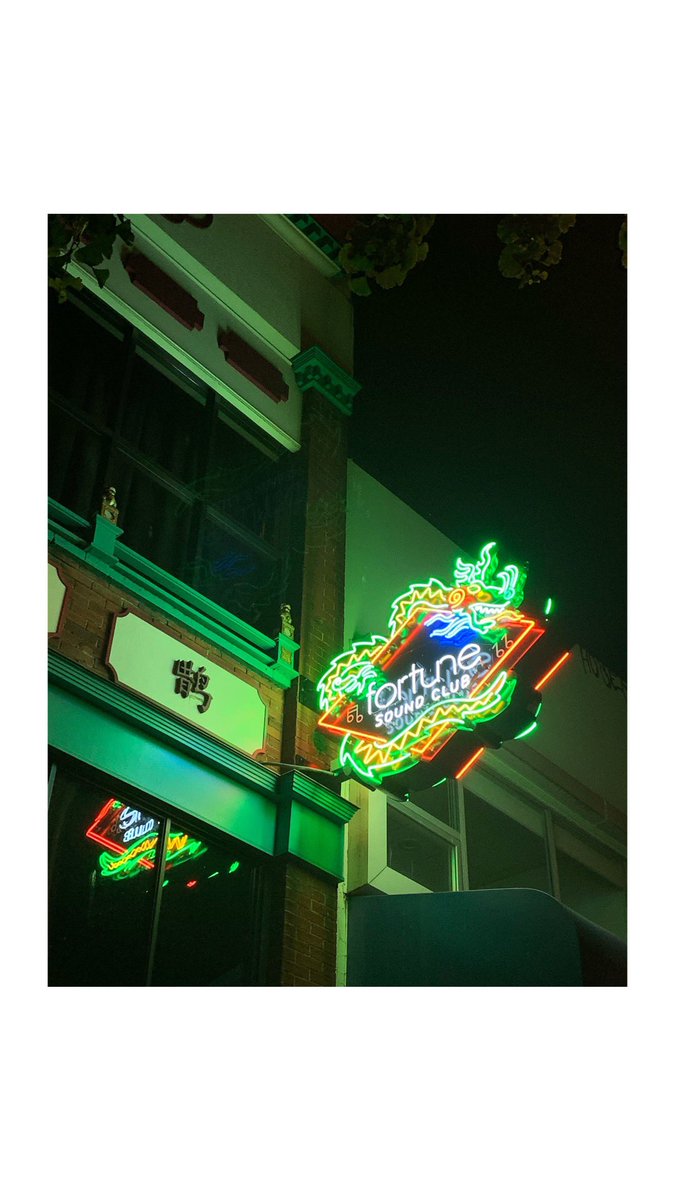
(445, 669)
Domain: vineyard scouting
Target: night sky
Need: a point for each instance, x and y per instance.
(500, 413)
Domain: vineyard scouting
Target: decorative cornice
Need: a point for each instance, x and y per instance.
(313, 368)
(146, 581)
(317, 235)
(143, 713)
(313, 795)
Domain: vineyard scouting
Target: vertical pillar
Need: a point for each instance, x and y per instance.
(308, 936)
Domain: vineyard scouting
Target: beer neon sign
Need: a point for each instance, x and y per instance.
(445, 669)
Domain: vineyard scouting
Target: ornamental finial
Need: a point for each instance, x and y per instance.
(109, 508)
(287, 627)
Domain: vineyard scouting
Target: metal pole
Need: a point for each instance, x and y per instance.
(160, 867)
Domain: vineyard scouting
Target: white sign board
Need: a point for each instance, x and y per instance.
(55, 596)
(159, 667)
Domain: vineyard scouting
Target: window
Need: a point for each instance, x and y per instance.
(418, 853)
(440, 802)
(505, 851)
(422, 838)
(202, 493)
(111, 924)
(592, 881)
(205, 923)
(100, 923)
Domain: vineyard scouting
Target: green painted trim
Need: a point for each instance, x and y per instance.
(289, 233)
(314, 840)
(127, 737)
(138, 565)
(176, 599)
(135, 756)
(103, 545)
(317, 235)
(132, 708)
(64, 517)
(315, 369)
(313, 795)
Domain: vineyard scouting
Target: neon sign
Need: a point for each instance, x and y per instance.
(446, 669)
(130, 838)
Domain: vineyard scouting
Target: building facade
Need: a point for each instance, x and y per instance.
(546, 812)
(211, 549)
(196, 555)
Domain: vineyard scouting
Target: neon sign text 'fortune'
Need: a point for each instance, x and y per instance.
(446, 667)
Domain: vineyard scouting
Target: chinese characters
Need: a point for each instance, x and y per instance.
(191, 682)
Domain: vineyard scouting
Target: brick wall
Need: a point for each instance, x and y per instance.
(309, 934)
(92, 601)
(321, 627)
(310, 930)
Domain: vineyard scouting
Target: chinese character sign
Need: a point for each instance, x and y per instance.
(190, 682)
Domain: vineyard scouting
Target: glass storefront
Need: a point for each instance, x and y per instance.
(138, 897)
(450, 838)
(419, 853)
(592, 883)
(502, 852)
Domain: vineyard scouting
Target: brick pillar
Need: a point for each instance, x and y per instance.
(321, 626)
(309, 933)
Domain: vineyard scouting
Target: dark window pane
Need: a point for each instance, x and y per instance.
(101, 880)
(156, 522)
(205, 923)
(502, 853)
(76, 463)
(591, 895)
(242, 577)
(434, 801)
(417, 853)
(164, 421)
(245, 483)
(85, 361)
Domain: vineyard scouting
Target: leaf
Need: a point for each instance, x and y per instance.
(89, 255)
(508, 265)
(59, 236)
(423, 225)
(124, 231)
(410, 256)
(359, 285)
(101, 275)
(391, 276)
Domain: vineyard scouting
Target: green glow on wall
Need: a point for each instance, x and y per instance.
(549, 606)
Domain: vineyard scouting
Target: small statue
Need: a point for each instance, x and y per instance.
(109, 508)
(287, 628)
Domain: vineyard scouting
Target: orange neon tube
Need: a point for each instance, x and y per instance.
(552, 670)
(467, 765)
